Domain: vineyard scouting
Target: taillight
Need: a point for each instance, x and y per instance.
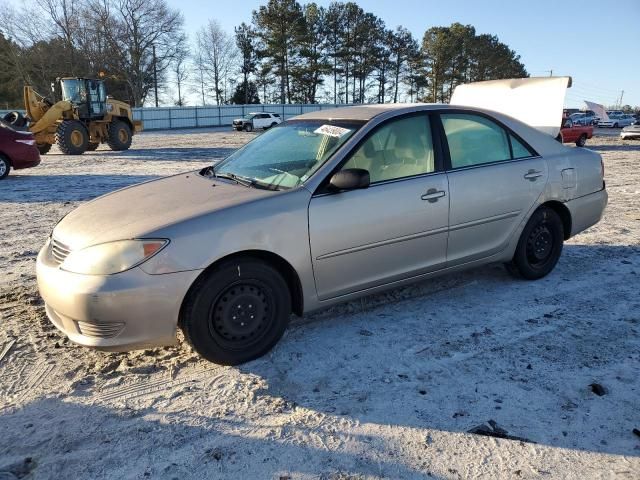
(27, 142)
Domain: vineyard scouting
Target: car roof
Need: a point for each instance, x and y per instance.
(367, 112)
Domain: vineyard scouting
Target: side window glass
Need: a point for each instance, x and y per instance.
(474, 140)
(398, 149)
(519, 150)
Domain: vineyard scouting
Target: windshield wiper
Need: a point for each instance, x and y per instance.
(244, 181)
(230, 176)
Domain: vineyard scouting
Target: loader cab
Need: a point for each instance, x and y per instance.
(87, 95)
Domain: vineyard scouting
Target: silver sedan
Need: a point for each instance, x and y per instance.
(324, 208)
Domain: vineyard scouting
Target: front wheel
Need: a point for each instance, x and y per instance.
(119, 137)
(248, 127)
(615, 125)
(72, 137)
(582, 141)
(237, 312)
(539, 246)
(5, 166)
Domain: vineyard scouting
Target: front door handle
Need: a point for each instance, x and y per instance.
(533, 175)
(433, 195)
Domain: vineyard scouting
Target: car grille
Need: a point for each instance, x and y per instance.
(99, 330)
(59, 251)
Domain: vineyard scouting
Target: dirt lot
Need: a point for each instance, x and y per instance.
(386, 387)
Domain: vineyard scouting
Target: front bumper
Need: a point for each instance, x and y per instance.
(28, 158)
(125, 311)
(624, 135)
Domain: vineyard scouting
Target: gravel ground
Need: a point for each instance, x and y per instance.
(385, 387)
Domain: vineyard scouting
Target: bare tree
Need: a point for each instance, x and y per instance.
(64, 15)
(217, 51)
(180, 67)
(133, 28)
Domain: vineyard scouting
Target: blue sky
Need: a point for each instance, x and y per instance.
(597, 42)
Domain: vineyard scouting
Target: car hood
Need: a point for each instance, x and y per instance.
(139, 210)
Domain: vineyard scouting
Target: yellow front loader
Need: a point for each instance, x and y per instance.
(81, 121)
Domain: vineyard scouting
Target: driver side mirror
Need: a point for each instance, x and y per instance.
(350, 179)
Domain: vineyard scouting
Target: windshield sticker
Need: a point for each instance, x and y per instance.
(332, 131)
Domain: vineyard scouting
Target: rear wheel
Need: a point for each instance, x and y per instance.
(72, 138)
(5, 166)
(582, 141)
(236, 313)
(119, 136)
(539, 246)
(43, 148)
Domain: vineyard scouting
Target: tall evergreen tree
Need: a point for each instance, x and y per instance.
(280, 26)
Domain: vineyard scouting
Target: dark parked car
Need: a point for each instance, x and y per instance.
(17, 149)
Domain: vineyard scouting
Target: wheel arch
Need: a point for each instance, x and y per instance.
(125, 120)
(6, 157)
(283, 266)
(564, 214)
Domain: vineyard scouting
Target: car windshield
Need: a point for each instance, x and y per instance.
(287, 155)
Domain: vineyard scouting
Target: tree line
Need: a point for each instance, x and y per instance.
(287, 52)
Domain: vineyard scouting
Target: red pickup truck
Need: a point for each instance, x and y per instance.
(571, 133)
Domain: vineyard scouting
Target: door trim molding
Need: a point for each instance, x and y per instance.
(482, 221)
(382, 243)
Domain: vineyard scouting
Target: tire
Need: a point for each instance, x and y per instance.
(5, 167)
(72, 137)
(582, 141)
(615, 125)
(43, 148)
(248, 127)
(539, 246)
(16, 119)
(559, 138)
(119, 138)
(273, 125)
(218, 305)
(92, 147)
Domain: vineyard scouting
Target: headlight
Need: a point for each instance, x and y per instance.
(112, 257)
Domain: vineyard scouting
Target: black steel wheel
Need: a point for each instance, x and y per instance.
(241, 314)
(539, 246)
(237, 312)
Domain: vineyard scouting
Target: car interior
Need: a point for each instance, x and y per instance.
(400, 149)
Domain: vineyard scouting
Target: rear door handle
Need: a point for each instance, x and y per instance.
(433, 195)
(533, 175)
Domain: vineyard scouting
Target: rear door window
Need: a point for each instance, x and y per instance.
(476, 140)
